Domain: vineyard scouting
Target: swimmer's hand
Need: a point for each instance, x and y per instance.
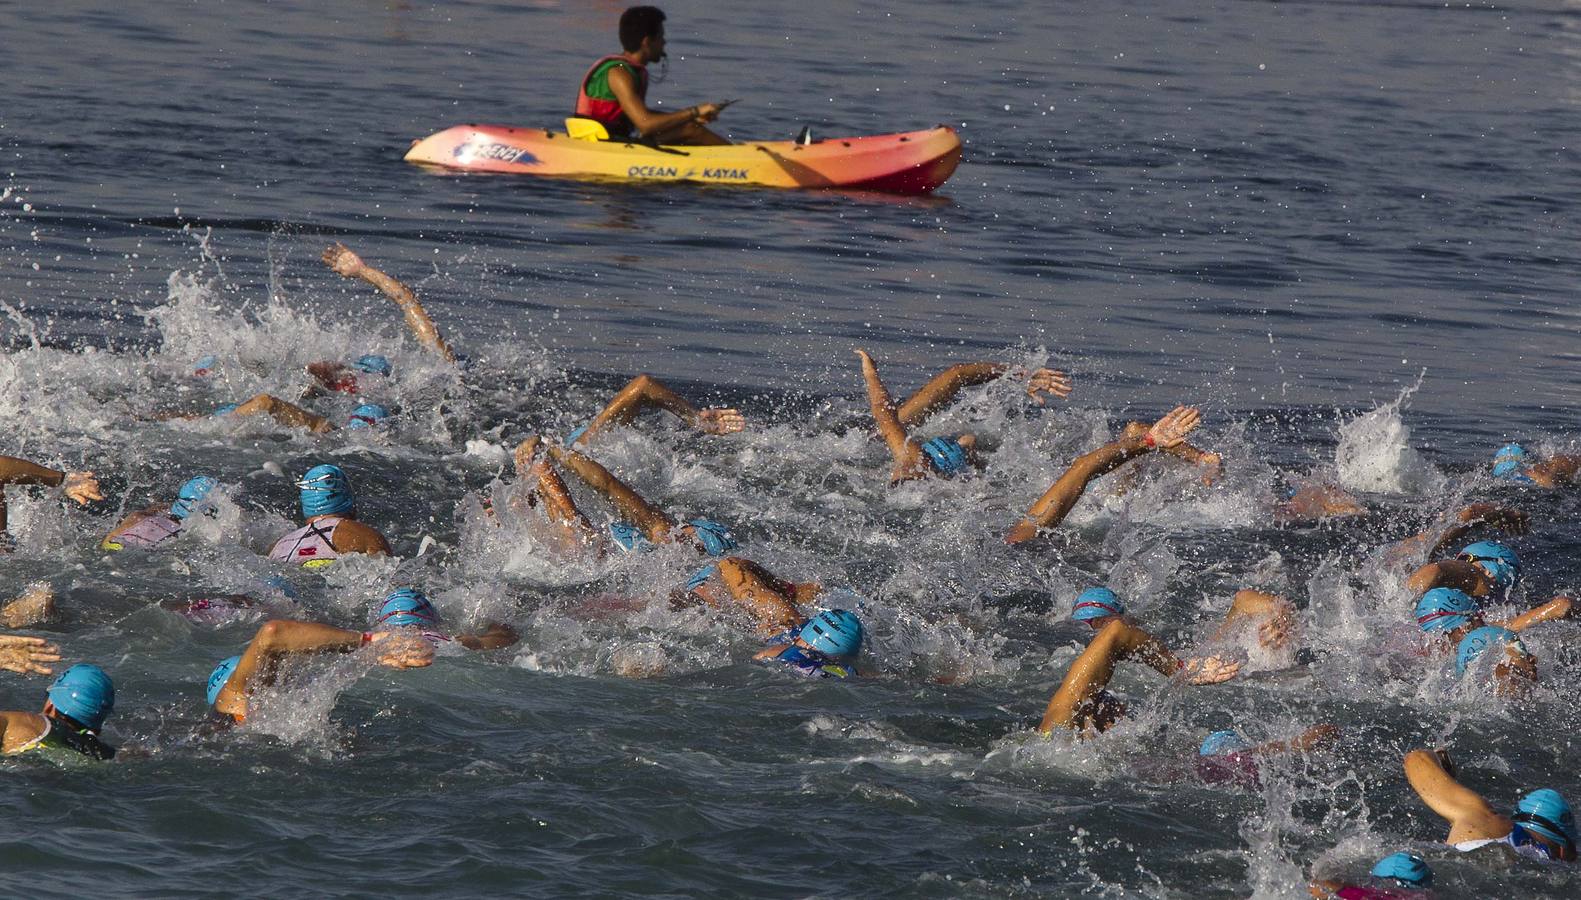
(1171, 430)
(402, 648)
(340, 258)
(721, 420)
(1275, 633)
(526, 451)
(35, 605)
(27, 655)
(1444, 762)
(1047, 381)
(1504, 518)
(82, 487)
(1211, 669)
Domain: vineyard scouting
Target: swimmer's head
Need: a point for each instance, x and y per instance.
(629, 537)
(715, 538)
(372, 364)
(948, 455)
(1498, 561)
(1545, 814)
(1477, 642)
(85, 694)
(220, 675)
(226, 410)
(1509, 463)
(835, 632)
(1408, 869)
(407, 606)
(1445, 609)
(205, 367)
(1220, 742)
(1096, 604)
(191, 494)
(326, 491)
(367, 415)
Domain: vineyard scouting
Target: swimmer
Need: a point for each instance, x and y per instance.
(1437, 540)
(27, 655)
(36, 605)
(234, 681)
(81, 487)
(826, 646)
(290, 415)
(646, 392)
(344, 378)
(1542, 826)
(1313, 501)
(1167, 435)
(410, 608)
(1082, 702)
(154, 525)
(1514, 464)
(1273, 615)
(1452, 614)
(1514, 670)
(946, 456)
(332, 529)
(1482, 569)
(348, 264)
(77, 704)
(1225, 756)
(1397, 870)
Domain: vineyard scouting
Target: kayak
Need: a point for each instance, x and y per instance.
(916, 162)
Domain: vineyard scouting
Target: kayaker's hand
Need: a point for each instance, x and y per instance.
(707, 112)
(340, 258)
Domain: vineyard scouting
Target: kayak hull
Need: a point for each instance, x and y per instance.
(915, 162)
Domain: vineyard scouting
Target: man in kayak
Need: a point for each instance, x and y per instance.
(79, 486)
(614, 91)
(1542, 827)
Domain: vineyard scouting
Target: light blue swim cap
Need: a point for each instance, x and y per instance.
(1509, 463)
(629, 537)
(325, 491)
(85, 693)
(1545, 812)
(834, 632)
(1473, 645)
(220, 675)
(372, 363)
(1223, 742)
(1499, 561)
(205, 365)
(367, 414)
(576, 434)
(191, 493)
(1444, 609)
(701, 576)
(1406, 868)
(407, 606)
(947, 454)
(1095, 603)
(227, 409)
(715, 538)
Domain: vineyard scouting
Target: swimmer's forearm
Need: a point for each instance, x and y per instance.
(1057, 502)
(943, 387)
(1557, 608)
(653, 522)
(418, 322)
(20, 471)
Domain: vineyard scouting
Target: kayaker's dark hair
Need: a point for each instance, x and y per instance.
(637, 23)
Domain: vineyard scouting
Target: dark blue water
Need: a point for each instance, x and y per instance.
(1290, 214)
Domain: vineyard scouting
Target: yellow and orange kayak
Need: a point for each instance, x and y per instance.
(912, 163)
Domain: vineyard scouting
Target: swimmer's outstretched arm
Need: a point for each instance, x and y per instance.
(1070, 707)
(1303, 742)
(1057, 501)
(1505, 518)
(81, 487)
(907, 455)
(1555, 471)
(557, 500)
(1276, 617)
(652, 520)
(1557, 608)
(748, 586)
(340, 258)
(645, 391)
(279, 638)
(27, 655)
(284, 412)
(493, 636)
(35, 605)
(1470, 817)
(943, 387)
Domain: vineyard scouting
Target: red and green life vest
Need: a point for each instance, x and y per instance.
(594, 100)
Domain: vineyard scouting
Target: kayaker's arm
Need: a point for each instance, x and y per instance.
(340, 258)
(683, 127)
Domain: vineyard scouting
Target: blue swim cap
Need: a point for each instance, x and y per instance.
(1406, 868)
(947, 454)
(325, 491)
(1223, 742)
(1546, 813)
(715, 538)
(1095, 603)
(1509, 463)
(1444, 609)
(629, 537)
(372, 363)
(701, 576)
(220, 675)
(833, 632)
(576, 434)
(365, 415)
(1499, 561)
(192, 492)
(407, 606)
(205, 365)
(85, 693)
(227, 409)
(1473, 644)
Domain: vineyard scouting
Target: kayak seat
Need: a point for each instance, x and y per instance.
(581, 129)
